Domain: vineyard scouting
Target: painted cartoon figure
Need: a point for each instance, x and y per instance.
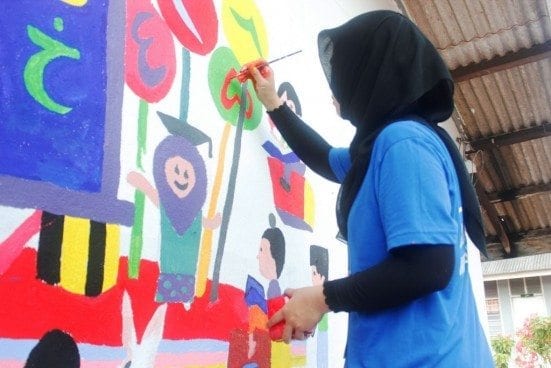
(55, 349)
(179, 193)
(293, 195)
(253, 348)
(271, 257)
(319, 263)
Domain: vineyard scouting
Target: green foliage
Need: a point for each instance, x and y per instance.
(538, 337)
(501, 347)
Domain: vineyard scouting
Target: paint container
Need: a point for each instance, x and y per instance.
(274, 305)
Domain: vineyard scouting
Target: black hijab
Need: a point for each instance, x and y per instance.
(381, 68)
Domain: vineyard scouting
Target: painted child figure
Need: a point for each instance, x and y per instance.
(319, 263)
(179, 193)
(293, 195)
(271, 257)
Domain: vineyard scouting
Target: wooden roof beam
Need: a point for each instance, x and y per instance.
(524, 236)
(518, 193)
(519, 136)
(493, 216)
(509, 60)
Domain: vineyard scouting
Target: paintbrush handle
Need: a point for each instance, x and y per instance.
(244, 73)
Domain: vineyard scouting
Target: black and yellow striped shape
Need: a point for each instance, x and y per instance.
(80, 255)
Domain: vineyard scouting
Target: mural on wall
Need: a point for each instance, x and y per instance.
(60, 117)
(293, 195)
(254, 346)
(150, 67)
(319, 264)
(245, 31)
(81, 256)
(179, 193)
(124, 267)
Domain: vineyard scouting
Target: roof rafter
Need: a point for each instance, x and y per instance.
(509, 60)
(524, 236)
(493, 216)
(519, 136)
(518, 193)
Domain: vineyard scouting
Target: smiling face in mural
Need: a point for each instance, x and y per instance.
(181, 180)
(180, 176)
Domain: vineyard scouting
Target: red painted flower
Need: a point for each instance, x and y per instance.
(193, 22)
(150, 61)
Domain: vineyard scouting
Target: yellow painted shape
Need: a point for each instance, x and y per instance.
(74, 254)
(298, 361)
(111, 264)
(281, 354)
(245, 30)
(75, 2)
(205, 252)
(309, 204)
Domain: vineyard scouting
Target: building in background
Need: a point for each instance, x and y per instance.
(515, 289)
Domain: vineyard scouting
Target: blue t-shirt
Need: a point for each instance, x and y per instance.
(410, 196)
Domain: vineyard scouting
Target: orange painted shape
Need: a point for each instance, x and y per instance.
(205, 252)
(257, 319)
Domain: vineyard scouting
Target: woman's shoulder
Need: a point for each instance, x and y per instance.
(406, 130)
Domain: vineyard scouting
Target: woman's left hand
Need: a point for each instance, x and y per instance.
(305, 308)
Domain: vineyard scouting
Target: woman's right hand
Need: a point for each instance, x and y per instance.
(264, 85)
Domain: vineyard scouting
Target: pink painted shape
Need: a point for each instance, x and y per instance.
(200, 358)
(99, 363)
(14, 244)
(298, 348)
(11, 364)
(164, 360)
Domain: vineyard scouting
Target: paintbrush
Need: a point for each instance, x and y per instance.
(244, 73)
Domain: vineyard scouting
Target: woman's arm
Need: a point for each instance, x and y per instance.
(409, 273)
(308, 145)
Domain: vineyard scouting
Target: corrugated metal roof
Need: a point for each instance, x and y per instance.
(535, 263)
(474, 30)
(495, 102)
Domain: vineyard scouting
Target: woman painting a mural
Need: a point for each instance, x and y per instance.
(404, 203)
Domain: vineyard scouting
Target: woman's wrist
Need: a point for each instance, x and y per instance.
(324, 297)
(323, 307)
(273, 103)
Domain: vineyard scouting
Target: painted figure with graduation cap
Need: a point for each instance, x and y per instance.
(179, 193)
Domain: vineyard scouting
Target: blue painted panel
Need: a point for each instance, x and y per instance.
(53, 84)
